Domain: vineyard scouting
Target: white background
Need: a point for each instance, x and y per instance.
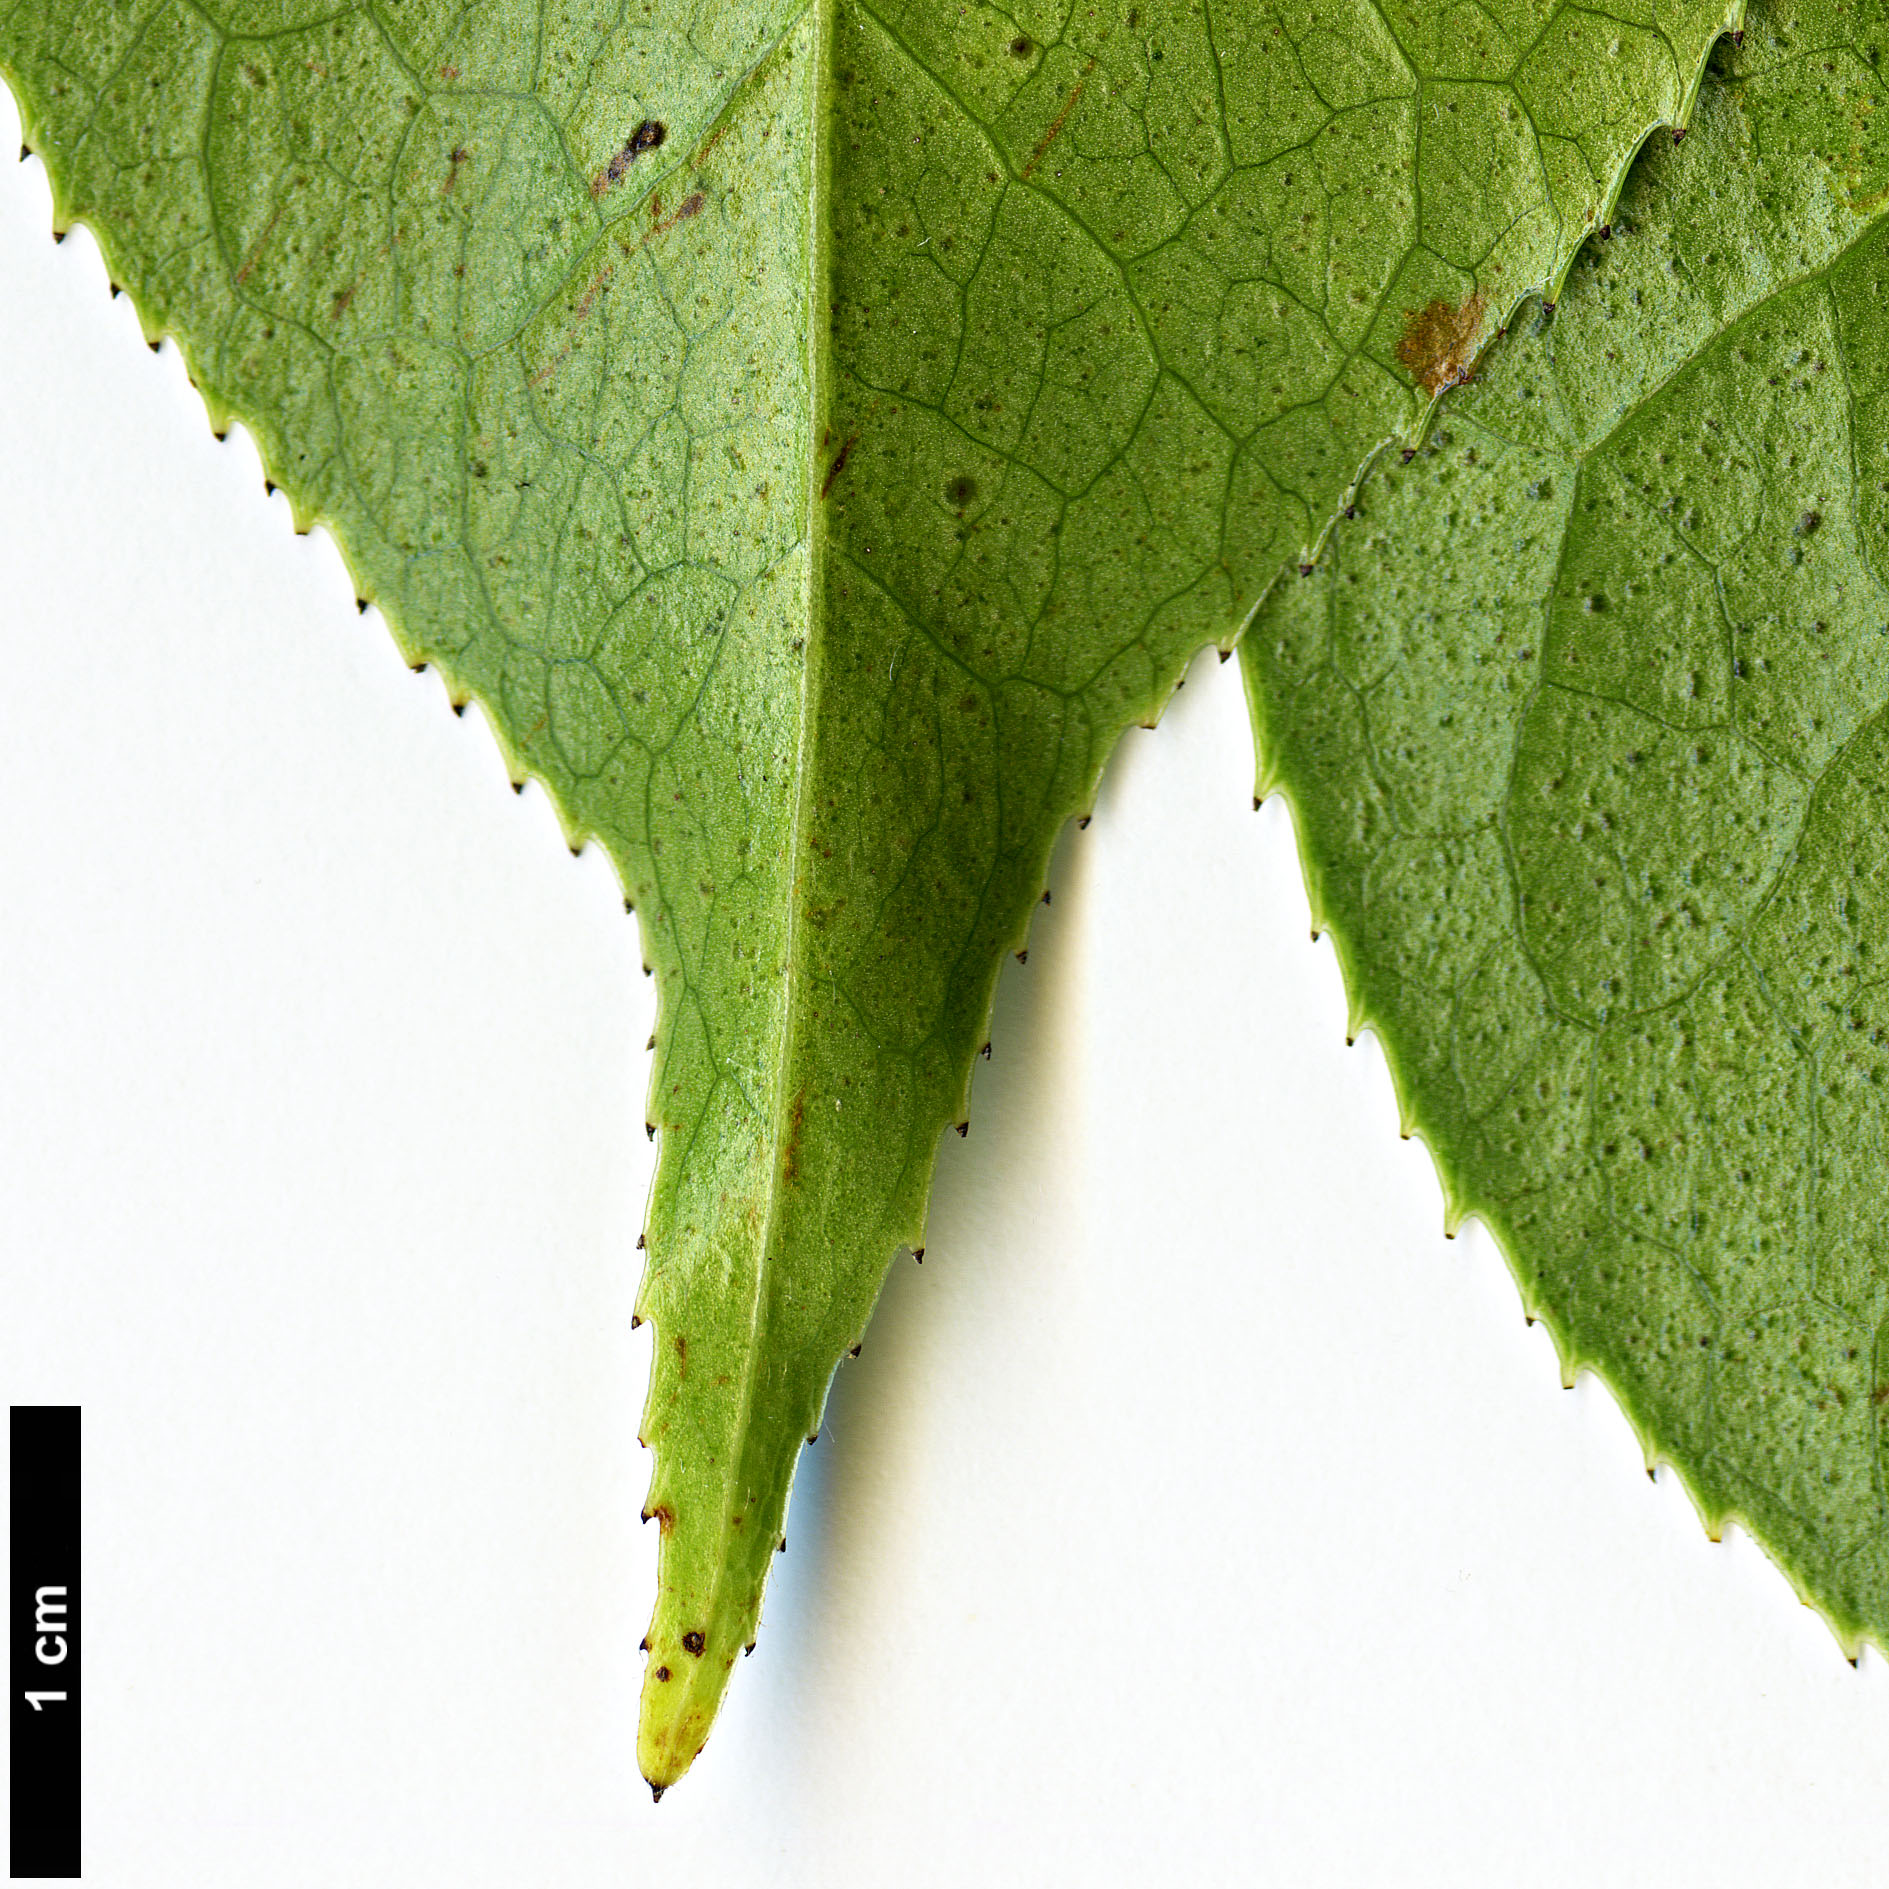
(1196, 1512)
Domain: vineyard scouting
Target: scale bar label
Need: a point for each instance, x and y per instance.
(45, 1628)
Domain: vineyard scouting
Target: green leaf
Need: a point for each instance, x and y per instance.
(814, 433)
(1583, 718)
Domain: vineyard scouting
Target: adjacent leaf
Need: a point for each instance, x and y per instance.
(1584, 720)
(814, 432)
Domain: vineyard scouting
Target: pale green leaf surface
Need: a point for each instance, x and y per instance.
(813, 493)
(1584, 718)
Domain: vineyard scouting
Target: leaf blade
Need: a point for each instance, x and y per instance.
(565, 392)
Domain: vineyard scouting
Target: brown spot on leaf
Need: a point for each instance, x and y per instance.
(790, 1155)
(1057, 123)
(691, 205)
(255, 252)
(646, 137)
(839, 465)
(1439, 344)
(693, 1642)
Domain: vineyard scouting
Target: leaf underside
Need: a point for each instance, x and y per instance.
(814, 431)
(1583, 719)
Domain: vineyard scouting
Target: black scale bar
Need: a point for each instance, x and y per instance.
(45, 1631)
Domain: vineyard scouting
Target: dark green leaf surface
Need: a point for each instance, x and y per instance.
(813, 433)
(1584, 720)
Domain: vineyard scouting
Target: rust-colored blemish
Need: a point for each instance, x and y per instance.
(682, 1355)
(344, 298)
(839, 465)
(580, 311)
(1439, 344)
(790, 1157)
(255, 252)
(691, 205)
(593, 289)
(664, 1517)
(694, 1643)
(458, 158)
(708, 144)
(1056, 124)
